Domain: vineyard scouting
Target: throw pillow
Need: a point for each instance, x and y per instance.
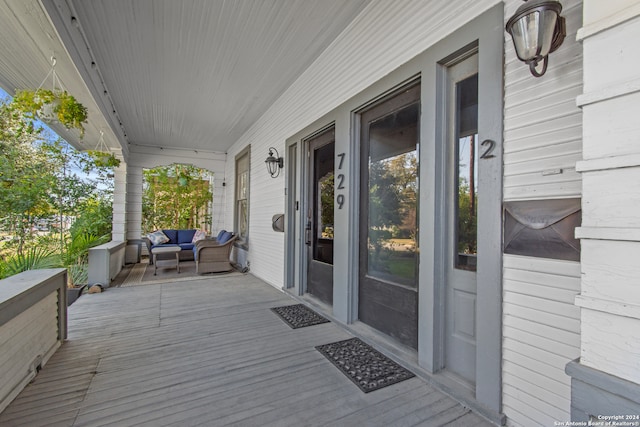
(225, 237)
(158, 237)
(200, 235)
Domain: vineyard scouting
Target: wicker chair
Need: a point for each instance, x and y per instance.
(213, 257)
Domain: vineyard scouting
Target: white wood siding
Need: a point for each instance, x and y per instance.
(543, 131)
(610, 232)
(542, 124)
(383, 37)
(26, 341)
(541, 335)
(542, 143)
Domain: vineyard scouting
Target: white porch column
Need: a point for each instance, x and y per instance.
(134, 213)
(119, 221)
(127, 209)
(606, 378)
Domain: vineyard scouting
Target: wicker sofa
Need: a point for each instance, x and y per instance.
(181, 238)
(213, 255)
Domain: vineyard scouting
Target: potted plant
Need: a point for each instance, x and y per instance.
(51, 106)
(73, 293)
(76, 260)
(102, 156)
(104, 159)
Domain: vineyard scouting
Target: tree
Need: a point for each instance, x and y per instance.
(467, 219)
(384, 205)
(95, 218)
(43, 178)
(25, 177)
(176, 196)
(404, 169)
(327, 192)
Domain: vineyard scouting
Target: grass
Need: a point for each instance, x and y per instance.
(402, 267)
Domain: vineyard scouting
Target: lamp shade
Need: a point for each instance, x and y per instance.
(536, 31)
(274, 163)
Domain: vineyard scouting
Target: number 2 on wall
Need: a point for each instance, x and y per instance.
(491, 146)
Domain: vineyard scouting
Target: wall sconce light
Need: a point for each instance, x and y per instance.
(274, 163)
(537, 29)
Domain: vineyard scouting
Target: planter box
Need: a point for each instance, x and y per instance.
(73, 294)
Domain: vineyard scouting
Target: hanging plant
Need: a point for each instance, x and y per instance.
(103, 159)
(50, 106)
(102, 155)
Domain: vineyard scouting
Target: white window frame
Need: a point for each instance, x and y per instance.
(242, 196)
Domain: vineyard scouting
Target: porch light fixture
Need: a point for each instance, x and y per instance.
(274, 163)
(537, 30)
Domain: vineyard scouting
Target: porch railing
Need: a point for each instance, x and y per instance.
(33, 324)
(105, 262)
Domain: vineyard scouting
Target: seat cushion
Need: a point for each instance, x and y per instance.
(186, 246)
(157, 237)
(164, 245)
(172, 235)
(185, 236)
(220, 234)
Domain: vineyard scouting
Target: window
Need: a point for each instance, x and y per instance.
(241, 225)
(466, 193)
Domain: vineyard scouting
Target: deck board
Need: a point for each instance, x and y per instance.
(209, 352)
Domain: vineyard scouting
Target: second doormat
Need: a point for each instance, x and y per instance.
(368, 368)
(299, 316)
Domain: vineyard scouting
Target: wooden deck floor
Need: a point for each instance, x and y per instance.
(209, 352)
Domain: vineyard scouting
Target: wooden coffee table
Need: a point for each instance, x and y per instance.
(168, 262)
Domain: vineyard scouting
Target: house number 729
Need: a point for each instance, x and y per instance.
(340, 179)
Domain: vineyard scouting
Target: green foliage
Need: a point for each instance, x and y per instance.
(78, 274)
(31, 259)
(70, 112)
(403, 267)
(393, 191)
(77, 248)
(95, 218)
(392, 199)
(326, 202)
(76, 256)
(41, 183)
(45, 253)
(13, 124)
(176, 196)
(26, 178)
(467, 220)
(103, 160)
(64, 107)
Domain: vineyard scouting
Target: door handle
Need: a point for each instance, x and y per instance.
(307, 233)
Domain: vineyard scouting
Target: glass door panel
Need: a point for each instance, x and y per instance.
(388, 292)
(320, 211)
(393, 187)
(323, 184)
(467, 165)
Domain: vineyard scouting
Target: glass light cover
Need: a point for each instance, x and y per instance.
(272, 165)
(533, 34)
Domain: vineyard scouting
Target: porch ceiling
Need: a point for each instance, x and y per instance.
(179, 74)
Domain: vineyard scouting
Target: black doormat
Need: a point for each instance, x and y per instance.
(366, 367)
(299, 316)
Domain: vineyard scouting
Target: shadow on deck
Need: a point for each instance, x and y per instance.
(209, 351)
